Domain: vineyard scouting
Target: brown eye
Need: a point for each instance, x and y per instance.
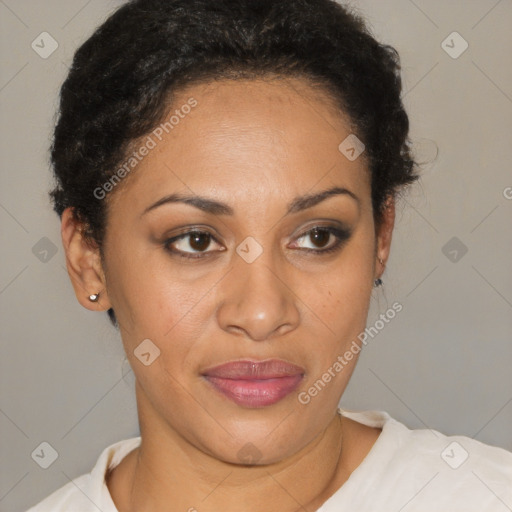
(192, 244)
(320, 238)
(199, 241)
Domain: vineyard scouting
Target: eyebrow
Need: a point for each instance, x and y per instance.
(218, 208)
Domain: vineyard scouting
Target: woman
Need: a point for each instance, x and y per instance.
(226, 180)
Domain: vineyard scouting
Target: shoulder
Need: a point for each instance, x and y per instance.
(88, 492)
(457, 471)
(430, 469)
(454, 451)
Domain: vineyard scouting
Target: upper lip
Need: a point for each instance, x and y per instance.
(246, 369)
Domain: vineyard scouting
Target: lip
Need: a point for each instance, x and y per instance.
(255, 383)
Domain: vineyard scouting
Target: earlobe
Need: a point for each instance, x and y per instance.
(83, 263)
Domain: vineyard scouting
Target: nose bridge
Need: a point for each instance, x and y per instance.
(257, 300)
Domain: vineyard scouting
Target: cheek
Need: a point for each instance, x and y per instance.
(341, 305)
(169, 312)
(341, 300)
(161, 304)
(343, 291)
(155, 298)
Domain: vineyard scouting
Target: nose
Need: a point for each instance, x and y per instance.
(257, 301)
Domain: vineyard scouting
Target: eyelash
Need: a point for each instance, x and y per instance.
(340, 234)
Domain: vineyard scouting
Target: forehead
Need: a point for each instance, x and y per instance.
(246, 138)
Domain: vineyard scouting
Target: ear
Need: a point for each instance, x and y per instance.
(83, 262)
(384, 233)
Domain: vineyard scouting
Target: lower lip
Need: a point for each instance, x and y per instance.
(256, 393)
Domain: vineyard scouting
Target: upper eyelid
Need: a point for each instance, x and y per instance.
(204, 231)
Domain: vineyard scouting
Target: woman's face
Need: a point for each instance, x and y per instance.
(248, 287)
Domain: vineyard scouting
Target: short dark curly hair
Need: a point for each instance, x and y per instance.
(122, 80)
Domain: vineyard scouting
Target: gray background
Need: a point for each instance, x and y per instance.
(442, 363)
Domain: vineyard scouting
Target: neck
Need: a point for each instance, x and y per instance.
(168, 473)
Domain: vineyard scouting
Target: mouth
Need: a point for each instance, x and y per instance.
(255, 384)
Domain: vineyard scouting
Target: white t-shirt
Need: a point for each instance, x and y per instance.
(405, 470)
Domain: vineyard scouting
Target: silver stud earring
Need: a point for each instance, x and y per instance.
(94, 297)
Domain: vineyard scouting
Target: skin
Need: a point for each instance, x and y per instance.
(254, 145)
